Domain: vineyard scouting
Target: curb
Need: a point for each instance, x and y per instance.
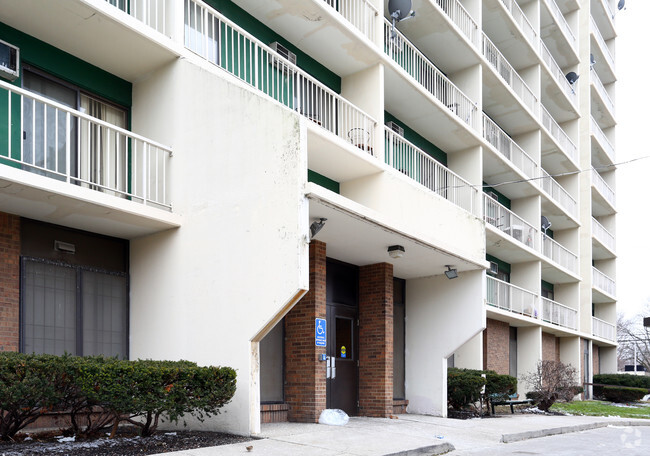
(518, 437)
(440, 448)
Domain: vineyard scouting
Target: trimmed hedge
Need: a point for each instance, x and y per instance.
(464, 386)
(633, 381)
(621, 395)
(99, 392)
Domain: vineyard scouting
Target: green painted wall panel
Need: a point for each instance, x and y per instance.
(503, 266)
(326, 182)
(500, 196)
(412, 136)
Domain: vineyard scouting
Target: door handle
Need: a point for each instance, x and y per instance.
(328, 370)
(333, 358)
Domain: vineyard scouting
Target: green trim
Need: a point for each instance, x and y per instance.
(326, 182)
(503, 266)
(548, 286)
(267, 36)
(412, 136)
(549, 233)
(67, 67)
(500, 196)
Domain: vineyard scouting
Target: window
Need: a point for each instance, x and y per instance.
(399, 332)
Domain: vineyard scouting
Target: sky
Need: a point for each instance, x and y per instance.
(633, 179)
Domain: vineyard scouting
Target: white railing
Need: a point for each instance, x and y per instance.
(150, 12)
(416, 64)
(560, 254)
(559, 314)
(53, 140)
(603, 329)
(563, 140)
(603, 235)
(603, 188)
(601, 42)
(600, 88)
(223, 43)
(459, 16)
(556, 71)
(603, 140)
(421, 167)
(507, 221)
(608, 8)
(558, 193)
(561, 22)
(360, 13)
(511, 298)
(522, 21)
(493, 134)
(512, 78)
(603, 282)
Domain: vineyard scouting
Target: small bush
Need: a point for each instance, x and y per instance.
(463, 387)
(622, 395)
(551, 381)
(500, 387)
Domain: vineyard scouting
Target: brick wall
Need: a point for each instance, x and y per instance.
(9, 281)
(305, 387)
(496, 347)
(596, 355)
(376, 340)
(550, 347)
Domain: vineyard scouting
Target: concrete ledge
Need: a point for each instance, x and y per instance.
(426, 450)
(509, 438)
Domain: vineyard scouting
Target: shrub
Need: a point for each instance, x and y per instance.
(500, 387)
(634, 381)
(620, 395)
(551, 381)
(463, 387)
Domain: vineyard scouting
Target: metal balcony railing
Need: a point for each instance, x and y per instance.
(559, 314)
(603, 188)
(603, 282)
(600, 88)
(522, 21)
(559, 254)
(506, 296)
(603, 235)
(565, 143)
(53, 140)
(459, 16)
(558, 193)
(557, 73)
(601, 43)
(603, 140)
(510, 76)
(421, 167)
(224, 44)
(360, 13)
(500, 140)
(561, 22)
(603, 329)
(425, 73)
(152, 13)
(507, 221)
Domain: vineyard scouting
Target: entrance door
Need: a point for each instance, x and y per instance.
(342, 352)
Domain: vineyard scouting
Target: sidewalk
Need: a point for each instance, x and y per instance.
(407, 435)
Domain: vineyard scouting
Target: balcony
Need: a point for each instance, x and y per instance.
(604, 287)
(602, 51)
(559, 194)
(559, 254)
(422, 168)
(463, 20)
(506, 221)
(558, 76)
(511, 298)
(500, 140)
(360, 13)
(605, 247)
(151, 13)
(522, 22)
(605, 109)
(559, 314)
(559, 135)
(604, 150)
(604, 330)
(560, 23)
(603, 15)
(604, 198)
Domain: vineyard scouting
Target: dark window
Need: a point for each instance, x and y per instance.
(513, 351)
(399, 313)
(271, 365)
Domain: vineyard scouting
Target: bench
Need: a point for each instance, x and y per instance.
(511, 401)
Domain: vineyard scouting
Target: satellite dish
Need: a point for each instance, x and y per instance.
(621, 5)
(572, 77)
(592, 60)
(399, 10)
(546, 224)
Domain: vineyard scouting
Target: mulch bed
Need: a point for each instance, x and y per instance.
(126, 443)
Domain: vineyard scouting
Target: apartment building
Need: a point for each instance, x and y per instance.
(336, 208)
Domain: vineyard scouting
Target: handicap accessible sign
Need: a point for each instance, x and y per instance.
(321, 332)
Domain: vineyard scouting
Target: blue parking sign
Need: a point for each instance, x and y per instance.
(321, 332)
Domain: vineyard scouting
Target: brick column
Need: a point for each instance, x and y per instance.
(376, 340)
(496, 347)
(305, 383)
(9, 281)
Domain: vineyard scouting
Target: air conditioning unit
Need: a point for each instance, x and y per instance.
(284, 52)
(493, 195)
(494, 268)
(396, 128)
(9, 61)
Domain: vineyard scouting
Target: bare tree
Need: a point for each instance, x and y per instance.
(552, 381)
(633, 336)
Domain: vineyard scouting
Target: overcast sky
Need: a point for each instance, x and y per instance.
(632, 133)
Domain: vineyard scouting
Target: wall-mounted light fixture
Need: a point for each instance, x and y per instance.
(451, 273)
(64, 247)
(396, 251)
(316, 226)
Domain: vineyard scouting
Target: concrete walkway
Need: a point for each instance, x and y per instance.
(408, 435)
